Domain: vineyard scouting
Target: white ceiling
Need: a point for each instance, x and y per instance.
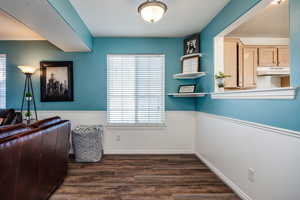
(12, 29)
(119, 18)
(272, 21)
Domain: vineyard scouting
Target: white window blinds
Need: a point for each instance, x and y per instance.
(2, 80)
(135, 89)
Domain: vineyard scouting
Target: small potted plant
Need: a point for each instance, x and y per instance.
(220, 79)
(28, 116)
(28, 96)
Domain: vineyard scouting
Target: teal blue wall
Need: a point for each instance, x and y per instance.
(69, 14)
(279, 113)
(89, 70)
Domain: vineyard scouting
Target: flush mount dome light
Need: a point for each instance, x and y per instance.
(277, 2)
(152, 10)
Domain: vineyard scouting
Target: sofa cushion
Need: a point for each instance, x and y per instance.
(17, 119)
(10, 130)
(46, 122)
(5, 112)
(9, 118)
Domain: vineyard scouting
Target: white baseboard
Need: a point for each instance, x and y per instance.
(148, 151)
(224, 178)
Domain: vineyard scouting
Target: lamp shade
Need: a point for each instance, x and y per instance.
(28, 69)
(152, 11)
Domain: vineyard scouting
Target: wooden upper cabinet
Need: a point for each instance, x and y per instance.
(267, 56)
(231, 62)
(274, 56)
(283, 56)
(241, 62)
(249, 67)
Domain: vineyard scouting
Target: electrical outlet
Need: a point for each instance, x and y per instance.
(118, 138)
(251, 175)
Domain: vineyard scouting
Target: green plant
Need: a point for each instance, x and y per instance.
(221, 75)
(221, 85)
(28, 95)
(28, 114)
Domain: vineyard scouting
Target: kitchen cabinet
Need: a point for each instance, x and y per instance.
(249, 67)
(267, 56)
(240, 65)
(241, 62)
(283, 56)
(231, 62)
(285, 81)
(274, 56)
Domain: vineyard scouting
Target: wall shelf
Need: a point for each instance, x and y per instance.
(187, 94)
(191, 55)
(193, 75)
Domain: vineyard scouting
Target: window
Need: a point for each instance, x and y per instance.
(135, 89)
(2, 81)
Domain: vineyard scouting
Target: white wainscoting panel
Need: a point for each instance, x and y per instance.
(233, 147)
(175, 138)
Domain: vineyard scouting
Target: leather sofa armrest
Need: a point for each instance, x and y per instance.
(22, 133)
(9, 130)
(46, 122)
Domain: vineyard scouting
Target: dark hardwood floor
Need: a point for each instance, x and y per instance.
(143, 177)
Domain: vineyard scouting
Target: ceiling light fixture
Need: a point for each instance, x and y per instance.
(152, 10)
(277, 2)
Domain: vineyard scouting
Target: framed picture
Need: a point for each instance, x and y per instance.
(56, 81)
(191, 64)
(191, 44)
(187, 89)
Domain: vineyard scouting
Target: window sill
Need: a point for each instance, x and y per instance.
(129, 126)
(277, 93)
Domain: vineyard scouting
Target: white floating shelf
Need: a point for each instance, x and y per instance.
(187, 94)
(191, 55)
(192, 75)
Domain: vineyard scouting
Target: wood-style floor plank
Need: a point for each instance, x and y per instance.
(143, 177)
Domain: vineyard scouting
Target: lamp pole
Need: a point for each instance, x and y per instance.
(28, 94)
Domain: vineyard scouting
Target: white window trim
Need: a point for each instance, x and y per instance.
(273, 93)
(3, 101)
(143, 125)
(277, 93)
(130, 126)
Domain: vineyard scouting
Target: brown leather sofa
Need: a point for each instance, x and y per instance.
(34, 159)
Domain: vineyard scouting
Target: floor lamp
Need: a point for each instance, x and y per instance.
(28, 94)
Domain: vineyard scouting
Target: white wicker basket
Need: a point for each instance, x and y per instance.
(87, 143)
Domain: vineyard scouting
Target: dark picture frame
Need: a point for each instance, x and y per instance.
(191, 44)
(196, 69)
(188, 87)
(56, 81)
